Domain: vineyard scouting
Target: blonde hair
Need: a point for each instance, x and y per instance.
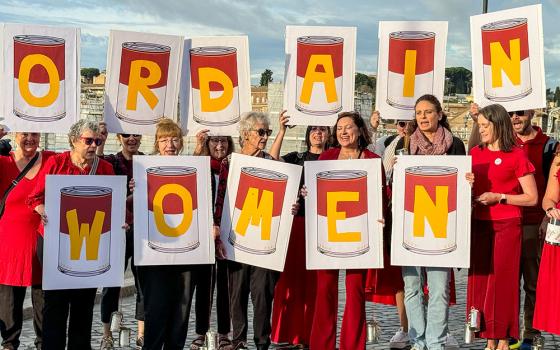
(168, 128)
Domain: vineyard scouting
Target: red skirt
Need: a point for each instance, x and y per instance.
(493, 283)
(547, 307)
(294, 296)
(382, 284)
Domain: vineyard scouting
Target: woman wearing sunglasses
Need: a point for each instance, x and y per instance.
(72, 306)
(19, 266)
(122, 165)
(294, 296)
(350, 141)
(246, 279)
(210, 276)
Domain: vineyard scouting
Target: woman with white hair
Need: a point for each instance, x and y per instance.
(72, 306)
(246, 279)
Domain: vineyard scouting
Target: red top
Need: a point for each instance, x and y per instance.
(61, 164)
(498, 172)
(534, 151)
(19, 265)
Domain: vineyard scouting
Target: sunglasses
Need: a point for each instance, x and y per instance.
(218, 140)
(401, 124)
(518, 113)
(261, 132)
(125, 136)
(89, 140)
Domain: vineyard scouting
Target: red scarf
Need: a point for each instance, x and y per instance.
(419, 143)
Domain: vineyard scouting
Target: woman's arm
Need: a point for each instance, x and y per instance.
(201, 137)
(528, 198)
(552, 194)
(277, 144)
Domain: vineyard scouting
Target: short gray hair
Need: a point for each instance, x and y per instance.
(79, 127)
(248, 121)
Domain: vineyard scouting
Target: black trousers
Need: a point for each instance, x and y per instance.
(168, 292)
(110, 296)
(74, 306)
(205, 279)
(259, 283)
(11, 315)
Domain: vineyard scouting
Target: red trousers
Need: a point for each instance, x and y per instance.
(294, 296)
(353, 332)
(493, 286)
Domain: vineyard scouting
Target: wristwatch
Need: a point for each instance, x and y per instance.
(503, 199)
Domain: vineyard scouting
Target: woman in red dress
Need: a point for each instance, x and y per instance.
(75, 305)
(547, 308)
(294, 295)
(350, 142)
(503, 183)
(19, 265)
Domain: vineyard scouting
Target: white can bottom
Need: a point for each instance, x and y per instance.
(429, 251)
(508, 98)
(342, 254)
(162, 249)
(35, 118)
(68, 271)
(236, 245)
(203, 121)
(137, 121)
(316, 112)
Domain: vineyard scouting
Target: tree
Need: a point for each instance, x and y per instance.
(89, 73)
(364, 83)
(557, 95)
(266, 77)
(460, 80)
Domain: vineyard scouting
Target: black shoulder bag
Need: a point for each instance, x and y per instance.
(15, 182)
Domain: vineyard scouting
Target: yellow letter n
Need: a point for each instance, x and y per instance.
(500, 61)
(425, 209)
(256, 212)
(78, 233)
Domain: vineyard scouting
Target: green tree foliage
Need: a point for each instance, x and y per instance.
(89, 73)
(266, 77)
(365, 83)
(557, 96)
(458, 80)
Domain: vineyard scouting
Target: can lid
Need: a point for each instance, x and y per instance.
(412, 35)
(264, 173)
(430, 170)
(86, 191)
(145, 47)
(39, 40)
(212, 50)
(341, 174)
(320, 40)
(171, 170)
(504, 24)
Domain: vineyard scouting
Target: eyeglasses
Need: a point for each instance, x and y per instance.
(125, 136)
(319, 129)
(175, 141)
(218, 140)
(263, 132)
(401, 124)
(89, 140)
(518, 113)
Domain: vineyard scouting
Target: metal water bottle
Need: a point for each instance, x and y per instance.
(474, 320)
(469, 334)
(373, 331)
(538, 343)
(401, 152)
(211, 340)
(124, 337)
(116, 321)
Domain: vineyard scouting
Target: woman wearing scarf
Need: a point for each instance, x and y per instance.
(430, 135)
(208, 276)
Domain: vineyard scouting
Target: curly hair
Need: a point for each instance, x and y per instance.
(79, 127)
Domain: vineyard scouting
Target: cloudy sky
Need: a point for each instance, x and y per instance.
(265, 20)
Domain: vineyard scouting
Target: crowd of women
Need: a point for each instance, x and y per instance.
(296, 307)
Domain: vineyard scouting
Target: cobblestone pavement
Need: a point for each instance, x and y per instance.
(385, 315)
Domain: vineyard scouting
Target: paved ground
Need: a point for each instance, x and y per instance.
(385, 315)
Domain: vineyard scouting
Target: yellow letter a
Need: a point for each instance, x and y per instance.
(326, 77)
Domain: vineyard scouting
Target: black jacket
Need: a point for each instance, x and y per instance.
(5, 147)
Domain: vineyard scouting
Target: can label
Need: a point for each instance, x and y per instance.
(215, 88)
(39, 78)
(85, 230)
(172, 209)
(142, 82)
(430, 216)
(506, 63)
(257, 211)
(411, 67)
(342, 213)
(319, 74)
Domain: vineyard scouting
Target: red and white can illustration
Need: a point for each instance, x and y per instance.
(85, 230)
(411, 67)
(39, 78)
(506, 61)
(215, 87)
(258, 207)
(142, 82)
(342, 213)
(319, 70)
(172, 209)
(430, 210)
